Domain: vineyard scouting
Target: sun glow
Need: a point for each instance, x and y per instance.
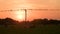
(20, 15)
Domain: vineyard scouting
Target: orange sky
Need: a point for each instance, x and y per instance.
(16, 4)
(31, 4)
(44, 14)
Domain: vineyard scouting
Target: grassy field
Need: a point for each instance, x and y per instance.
(46, 29)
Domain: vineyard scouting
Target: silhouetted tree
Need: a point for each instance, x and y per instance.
(7, 21)
(39, 22)
(29, 24)
(56, 22)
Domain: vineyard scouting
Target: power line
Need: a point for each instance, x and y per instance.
(32, 9)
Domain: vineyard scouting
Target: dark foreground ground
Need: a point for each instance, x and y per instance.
(46, 29)
(37, 26)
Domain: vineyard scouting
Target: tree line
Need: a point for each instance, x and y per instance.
(31, 24)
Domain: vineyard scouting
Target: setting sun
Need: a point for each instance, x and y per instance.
(20, 15)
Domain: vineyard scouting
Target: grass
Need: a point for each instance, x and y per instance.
(47, 29)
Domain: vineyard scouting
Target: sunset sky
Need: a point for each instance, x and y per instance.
(16, 4)
(30, 4)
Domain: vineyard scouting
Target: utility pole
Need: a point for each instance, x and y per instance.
(25, 15)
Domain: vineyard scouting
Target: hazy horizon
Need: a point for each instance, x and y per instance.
(31, 14)
(30, 4)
